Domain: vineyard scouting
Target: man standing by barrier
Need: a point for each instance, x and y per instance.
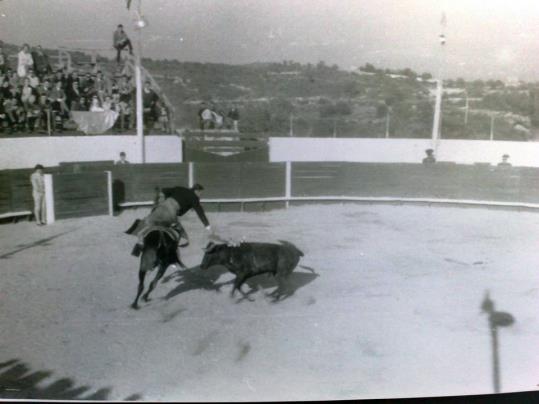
(38, 193)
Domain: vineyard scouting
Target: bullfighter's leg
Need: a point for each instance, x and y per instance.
(158, 276)
(141, 276)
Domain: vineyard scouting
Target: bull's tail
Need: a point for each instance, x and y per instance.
(292, 246)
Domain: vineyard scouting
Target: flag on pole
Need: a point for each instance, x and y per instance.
(128, 4)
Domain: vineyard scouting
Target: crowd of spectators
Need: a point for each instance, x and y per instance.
(34, 97)
(212, 117)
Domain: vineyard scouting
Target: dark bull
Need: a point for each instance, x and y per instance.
(251, 259)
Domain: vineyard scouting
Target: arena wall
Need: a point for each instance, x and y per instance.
(50, 151)
(525, 154)
(97, 188)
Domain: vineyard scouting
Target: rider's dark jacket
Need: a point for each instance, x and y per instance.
(187, 199)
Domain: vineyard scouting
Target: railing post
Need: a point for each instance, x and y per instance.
(191, 174)
(109, 192)
(288, 183)
(49, 199)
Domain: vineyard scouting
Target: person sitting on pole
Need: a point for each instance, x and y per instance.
(121, 40)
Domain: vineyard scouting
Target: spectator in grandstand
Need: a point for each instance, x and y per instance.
(73, 94)
(13, 109)
(206, 117)
(27, 91)
(57, 98)
(42, 65)
(120, 41)
(234, 117)
(72, 78)
(430, 159)
(81, 105)
(162, 115)
(87, 87)
(95, 106)
(149, 98)
(123, 159)
(125, 115)
(101, 85)
(4, 63)
(34, 114)
(3, 116)
(219, 119)
(504, 163)
(38, 193)
(107, 103)
(25, 61)
(14, 78)
(34, 80)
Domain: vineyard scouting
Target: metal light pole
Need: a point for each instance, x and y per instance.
(439, 91)
(387, 123)
(466, 109)
(291, 131)
(140, 24)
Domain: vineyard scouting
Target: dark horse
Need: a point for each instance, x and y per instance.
(159, 250)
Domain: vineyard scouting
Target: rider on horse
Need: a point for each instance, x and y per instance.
(177, 202)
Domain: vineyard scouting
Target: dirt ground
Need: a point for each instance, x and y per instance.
(394, 310)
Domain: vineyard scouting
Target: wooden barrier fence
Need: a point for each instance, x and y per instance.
(97, 189)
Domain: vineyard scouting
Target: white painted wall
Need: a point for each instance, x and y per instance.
(49, 151)
(402, 150)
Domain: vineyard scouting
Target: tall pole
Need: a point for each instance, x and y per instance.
(492, 127)
(291, 131)
(387, 123)
(466, 109)
(439, 90)
(138, 78)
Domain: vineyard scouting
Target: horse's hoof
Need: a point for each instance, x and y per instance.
(146, 298)
(134, 306)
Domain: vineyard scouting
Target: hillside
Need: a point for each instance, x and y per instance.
(322, 100)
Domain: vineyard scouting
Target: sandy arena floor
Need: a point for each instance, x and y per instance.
(395, 310)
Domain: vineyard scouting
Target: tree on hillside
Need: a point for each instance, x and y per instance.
(368, 68)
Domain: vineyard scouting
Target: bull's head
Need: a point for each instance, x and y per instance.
(214, 254)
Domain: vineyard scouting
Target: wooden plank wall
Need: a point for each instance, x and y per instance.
(137, 182)
(241, 180)
(16, 191)
(80, 195)
(448, 181)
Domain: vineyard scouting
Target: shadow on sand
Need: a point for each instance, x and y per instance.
(18, 381)
(195, 278)
(43, 243)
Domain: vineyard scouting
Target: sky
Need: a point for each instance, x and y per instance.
(486, 39)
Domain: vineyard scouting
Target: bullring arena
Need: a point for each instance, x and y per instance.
(418, 276)
(394, 306)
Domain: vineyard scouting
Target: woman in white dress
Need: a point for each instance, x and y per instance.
(25, 61)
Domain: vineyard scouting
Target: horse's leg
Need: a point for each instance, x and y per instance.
(158, 276)
(141, 275)
(147, 262)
